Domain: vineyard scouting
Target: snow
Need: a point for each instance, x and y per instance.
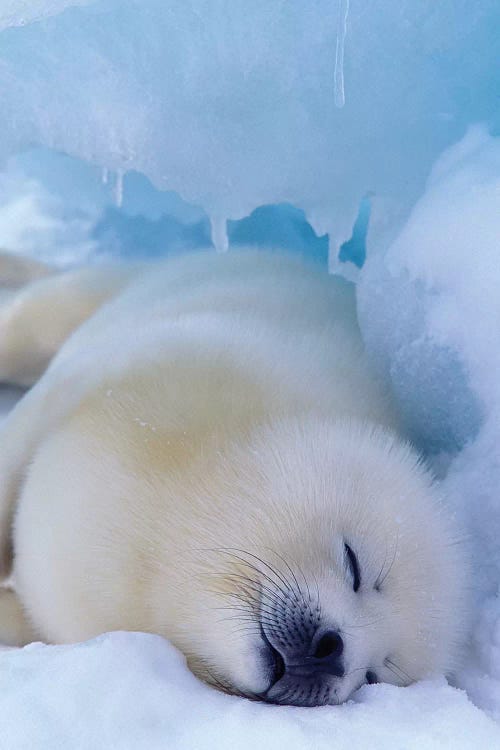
(440, 281)
(141, 128)
(442, 276)
(131, 690)
(36, 221)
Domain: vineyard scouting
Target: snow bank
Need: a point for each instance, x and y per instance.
(35, 221)
(132, 691)
(430, 314)
(430, 306)
(198, 95)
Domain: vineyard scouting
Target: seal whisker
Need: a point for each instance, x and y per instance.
(380, 581)
(229, 689)
(260, 572)
(393, 666)
(271, 568)
(254, 611)
(363, 624)
(376, 585)
(259, 590)
(290, 569)
(245, 582)
(241, 618)
(273, 594)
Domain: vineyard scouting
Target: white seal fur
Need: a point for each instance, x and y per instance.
(209, 457)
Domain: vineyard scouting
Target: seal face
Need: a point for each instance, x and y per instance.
(224, 469)
(354, 578)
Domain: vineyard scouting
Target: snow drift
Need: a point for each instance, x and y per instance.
(131, 691)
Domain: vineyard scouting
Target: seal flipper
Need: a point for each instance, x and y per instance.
(40, 308)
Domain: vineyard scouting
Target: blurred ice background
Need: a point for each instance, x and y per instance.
(235, 105)
(363, 134)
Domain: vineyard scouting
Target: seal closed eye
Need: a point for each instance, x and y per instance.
(354, 567)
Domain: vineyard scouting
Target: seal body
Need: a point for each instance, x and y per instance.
(209, 457)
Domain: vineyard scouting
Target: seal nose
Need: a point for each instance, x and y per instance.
(327, 654)
(329, 646)
(325, 657)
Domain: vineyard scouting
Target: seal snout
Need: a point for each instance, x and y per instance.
(304, 677)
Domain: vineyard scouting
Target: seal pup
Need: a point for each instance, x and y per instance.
(210, 457)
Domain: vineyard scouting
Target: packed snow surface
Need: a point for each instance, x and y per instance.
(131, 691)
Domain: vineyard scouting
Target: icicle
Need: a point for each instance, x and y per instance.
(119, 188)
(104, 175)
(347, 270)
(219, 234)
(339, 53)
(333, 250)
